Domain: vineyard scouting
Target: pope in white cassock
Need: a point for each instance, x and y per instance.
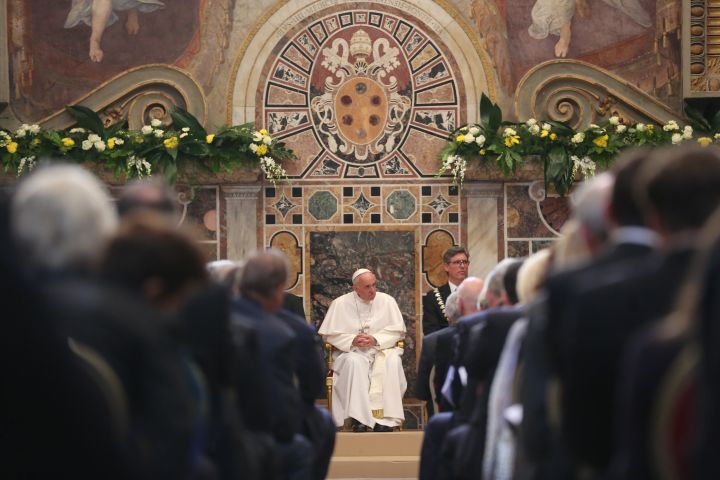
(368, 380)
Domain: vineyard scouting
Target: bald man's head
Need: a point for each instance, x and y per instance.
(469, 291)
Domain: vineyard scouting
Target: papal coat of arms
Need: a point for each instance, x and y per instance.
(361, 111)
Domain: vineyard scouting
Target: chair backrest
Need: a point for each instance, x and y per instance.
(107, 382)
(674, 416)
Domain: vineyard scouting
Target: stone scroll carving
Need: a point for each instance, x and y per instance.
(139, 95)
(578, 94)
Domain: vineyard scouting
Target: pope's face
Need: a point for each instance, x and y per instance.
(366, 286)
(457, 269)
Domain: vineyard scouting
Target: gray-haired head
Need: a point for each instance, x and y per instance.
(590, 205)
(452, 308)
(226, 272)
(494, 289)
(62, 217)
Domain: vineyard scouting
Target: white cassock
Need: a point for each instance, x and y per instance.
(368, 383)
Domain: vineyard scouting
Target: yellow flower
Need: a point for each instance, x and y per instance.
(68, 142)
(262, 150)
(12, 147)
(35, 142)
(512, 140)
(111, 143)
(210, 138)
(263, 132)
(553, 136)
(649, 127)
(460, 138)
(602, 141)
(482, 151)
(704, 141)
(170, 143)
(544, 133)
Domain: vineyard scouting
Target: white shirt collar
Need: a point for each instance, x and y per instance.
(636, 236)
(453, 287)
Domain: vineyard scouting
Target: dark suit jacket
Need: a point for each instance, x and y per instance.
(150, 365)
(294, 304)
(433, 316)
(427, 360)
(604, 313)
(277, 352)
(309, 360)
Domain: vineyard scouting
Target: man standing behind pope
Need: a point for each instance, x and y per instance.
(368, 381)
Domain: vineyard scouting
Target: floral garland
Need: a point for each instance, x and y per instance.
(566, 153)
(139, 153)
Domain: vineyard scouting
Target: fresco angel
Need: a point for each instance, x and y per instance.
(99, 14)
(554, 17)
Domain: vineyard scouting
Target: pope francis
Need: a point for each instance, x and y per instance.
(368, 381)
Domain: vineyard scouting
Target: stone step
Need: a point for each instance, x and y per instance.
(376, 455)
(368, 444)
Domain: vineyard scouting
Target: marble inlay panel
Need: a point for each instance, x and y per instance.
(323, 205)
(401, 204)
(335, 255)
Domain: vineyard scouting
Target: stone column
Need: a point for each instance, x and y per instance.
(241, 216)
(482, 224)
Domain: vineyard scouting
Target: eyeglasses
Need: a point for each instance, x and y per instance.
(460, 262)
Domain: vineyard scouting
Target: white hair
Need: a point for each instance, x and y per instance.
(452, 307)
(590, 203)
(62, 217)
(494, 281)
(532, 275)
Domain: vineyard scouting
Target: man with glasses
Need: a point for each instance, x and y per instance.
(455, 262)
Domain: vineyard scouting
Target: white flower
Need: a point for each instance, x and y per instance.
(671, 126)
(584, 165)
(464, 129)
(257, 137)
(34, 129)
(138, 166)
(267, 140)
(20, 132)
(614, 120)
(159, 133)
(119, 141)
(640, 127)
(687, 132)
(579, 137)
(594, 125)
(253, 147)
(534, 129)
(87, 145)
(155, 122)
(272, 170)
(469, 138)
(620, 128)
(94, 138)
(100, 146)
(480, 140)
(677, 138)
(77, 130)
(717, 136)
(547, 127)
(146, 130)
(474, 131)
(185, 129)
(183, 135)
(530, 122)
(28, 162)
(509, 132)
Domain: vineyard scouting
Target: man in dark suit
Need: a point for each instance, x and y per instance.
(294, 304)
(317, 424)
(455, 262)
(678, 192)
(262, 292)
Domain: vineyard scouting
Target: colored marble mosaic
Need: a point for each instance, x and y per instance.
(401, 204)
(322, 205)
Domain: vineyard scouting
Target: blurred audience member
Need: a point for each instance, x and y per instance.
(152, 194)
